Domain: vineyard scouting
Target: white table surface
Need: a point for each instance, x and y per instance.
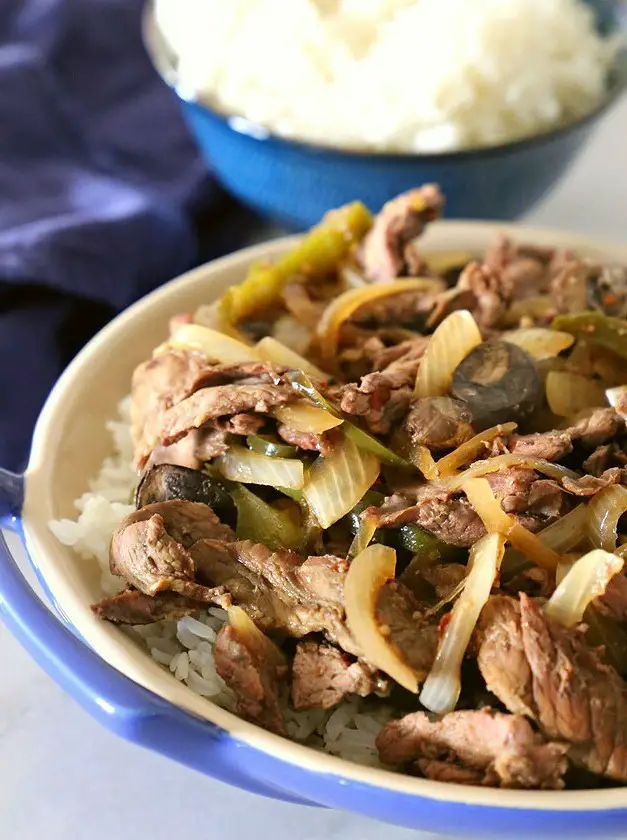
(62, 777)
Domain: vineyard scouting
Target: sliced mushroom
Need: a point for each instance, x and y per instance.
(166, 482)
(499, 382)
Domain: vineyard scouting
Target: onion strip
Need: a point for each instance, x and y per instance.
(442, 687)
(539, 342)
(604, 512)
(344, 306)
(453, 340)
(271, 350)
(367, 575)
(490, 465)
(239, 464)
(569, 393)
(214, 344)
(488, 507)
(585, 580)
(468, 451)
(335, 484)
(365, 532)
(304, 417)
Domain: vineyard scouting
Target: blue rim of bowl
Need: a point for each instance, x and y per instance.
(164, 62)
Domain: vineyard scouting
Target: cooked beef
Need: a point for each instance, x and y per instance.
(133, 607)
(492, 292)
(205, 405)
(613, 602)
(525, 268)
(474, 747)
(149, 548)
(538, 668)
(604, 458)
(409, 307)
(401, 622)
(322, 676)
(450, 517)
(444, 577)
(306, 440)
(381, 399)
(569, 287)
(244, 424)
(607, 290)
(252, 676)
(400, 356)
(387, 249)
(588, 485)
(601, 426)
(439, 423)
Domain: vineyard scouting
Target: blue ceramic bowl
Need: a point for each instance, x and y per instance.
(295, 183)
(125, 690)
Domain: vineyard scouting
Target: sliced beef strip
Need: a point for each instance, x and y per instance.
(380, 399)
(254, 679)
(245, 424)
(604, 458)
(400, 308)
(308, 441)
(206, 405)
(439, 423)
(401, 622)
(475, 747)
(450, 517)
(492, 292)
(541, 669)
(133, 607)
(444, 577)
(387, 250)
(613, 602)
(322, 676)
(603, 425)
(589, 485)
(526, 268)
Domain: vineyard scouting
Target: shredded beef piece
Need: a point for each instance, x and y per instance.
(253, 677)
(569, 287)
(322, 676)
(450, 517)
(387, 249)
(381, 399)
(149, 548)
(589, 485)
(552, 446)
(439, 423)
(206, 405)
(133, 607)
(401, 355)
(444, 577)
(526, 268)
(491, 290)
(409, 307)
(245, 424)
(613, 602)
(401, 622)
(306, 440)
(604, 458)
(538, 668)
(601, 426)
(475, 747)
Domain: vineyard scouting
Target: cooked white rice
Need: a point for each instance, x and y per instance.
(185, 647)
(399, 75)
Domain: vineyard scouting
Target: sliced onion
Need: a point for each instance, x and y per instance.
(367, 575)
(239, 464)
(208, 315)
(442, 687)
(365, 532)
(617, 398)
(351, 278)
(290, 332)
(452, 596)
(271, 350)
(586, 580)
(490, 465)
(488, 507)
(262, 646)
(567, 532)
(335, 484)
(260, 522)
(271, 447)
(422, 458)
(214, 344)
(539, 306)
(453, 340)
(539, 342)
(604, 511)
(301, 383)
(468, 451)
(304, 417)
(569, 393)
(344, 306)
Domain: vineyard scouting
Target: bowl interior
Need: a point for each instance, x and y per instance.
(71, 440)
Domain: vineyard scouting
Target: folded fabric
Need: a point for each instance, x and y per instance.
(99, 184)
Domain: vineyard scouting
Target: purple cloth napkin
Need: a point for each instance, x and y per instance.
(99, 186)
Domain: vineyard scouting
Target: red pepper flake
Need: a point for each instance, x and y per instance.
(610, 299)
(444, 623)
